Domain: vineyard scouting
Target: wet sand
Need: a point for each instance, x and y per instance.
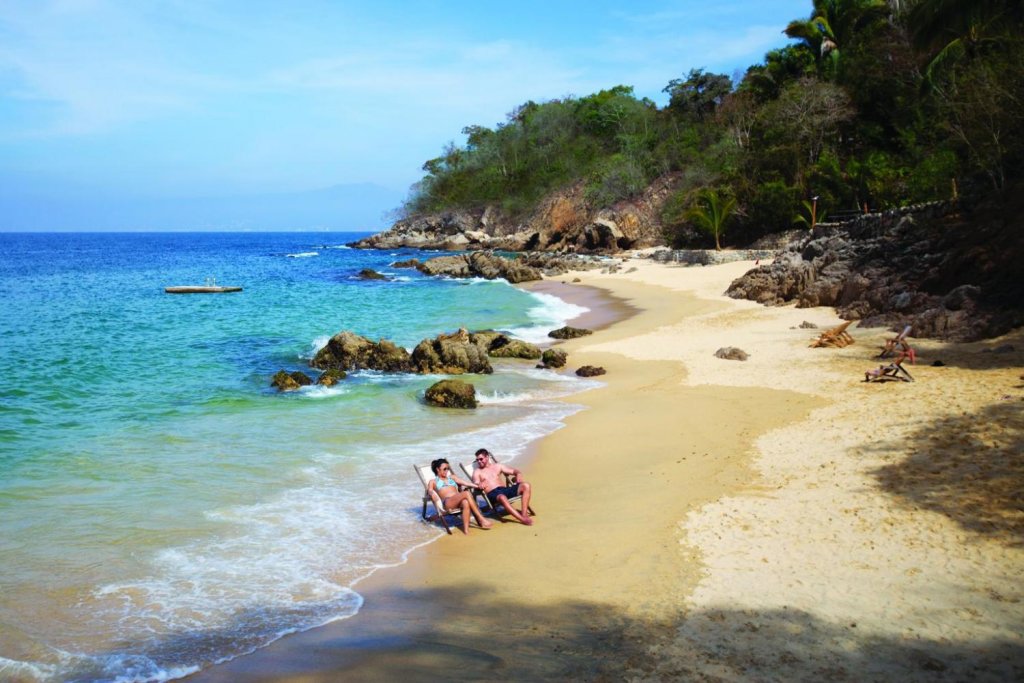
(774, 519)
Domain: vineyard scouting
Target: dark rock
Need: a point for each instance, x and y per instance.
(451, 354)
(451, 393)
(938, 364)
(553, 358)
(370, 274)
(808, 326)
(590, 371)
(1005, 348)
(731, 353)
(568, 332)
(576, 279)
(408, 263)
(289, 381)
(329, 378)
(349, 351)
(480, 264)
(516, 348)
(953, 275)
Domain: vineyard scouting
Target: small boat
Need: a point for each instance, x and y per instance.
(211, 287)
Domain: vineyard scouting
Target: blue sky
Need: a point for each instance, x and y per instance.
(183, 98)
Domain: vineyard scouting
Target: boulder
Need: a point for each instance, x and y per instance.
(452, 354)
(590, 371)
(731, 353)
(451, 393)
(480, 264)
(370, 274)
(516, 348)
(553, 358)
(349, 351)
(329, 378)
(289, 381)
(568, 332)
(408, 263)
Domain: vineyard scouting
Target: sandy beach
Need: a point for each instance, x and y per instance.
(708, 519)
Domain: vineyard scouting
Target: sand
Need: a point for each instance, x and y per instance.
(708, 519)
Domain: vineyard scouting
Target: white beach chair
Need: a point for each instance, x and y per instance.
(429, 497)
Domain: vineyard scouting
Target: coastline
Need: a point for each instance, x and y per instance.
(678, 532)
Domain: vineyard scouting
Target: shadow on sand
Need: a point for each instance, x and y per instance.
(969, 468)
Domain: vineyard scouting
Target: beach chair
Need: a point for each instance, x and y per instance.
(430, 498)
(893, 372)
(898, 342)
(837, 337)
(470, 468)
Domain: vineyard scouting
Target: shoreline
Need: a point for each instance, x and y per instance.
(667, 540)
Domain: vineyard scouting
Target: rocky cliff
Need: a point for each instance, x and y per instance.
(951, 272)
(563, 222)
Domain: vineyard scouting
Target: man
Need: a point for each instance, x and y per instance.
(489, 475)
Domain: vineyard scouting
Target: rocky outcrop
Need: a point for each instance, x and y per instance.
(370, 274)
(569, 332)
(329, 378)
(515, 348)
(290, 381)
(451, 393)
(408, 263)
(451, 354)
(349, 351)
(480, 264)
(950, 274)
(553, 358)
(591, 371)
(563, 221)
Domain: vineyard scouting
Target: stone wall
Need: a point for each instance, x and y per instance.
(710, 257)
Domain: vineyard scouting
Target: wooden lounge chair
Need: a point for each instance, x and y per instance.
(837, 337)
(470, 468)
(897, 343)
(429, 497)
(893, 372)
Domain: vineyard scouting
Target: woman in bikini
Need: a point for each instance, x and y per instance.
(446, 485)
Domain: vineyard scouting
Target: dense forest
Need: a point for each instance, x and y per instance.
(873, 104)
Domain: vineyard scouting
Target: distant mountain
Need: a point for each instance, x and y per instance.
(351, 207)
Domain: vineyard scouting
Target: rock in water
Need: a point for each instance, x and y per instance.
(371, 274)
(331, 377)
(349, 351)
(516, 348)
(289, 381)
(553, 358)
(451, 354)
(451, 393)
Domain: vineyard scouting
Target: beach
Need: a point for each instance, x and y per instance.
(707, 519)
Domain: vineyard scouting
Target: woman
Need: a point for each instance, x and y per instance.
(446, 486)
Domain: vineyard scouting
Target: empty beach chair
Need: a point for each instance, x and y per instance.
(470, 468)
(897, 344)
(837, 337)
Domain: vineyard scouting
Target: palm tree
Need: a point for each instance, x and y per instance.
(948, 31)
(710, 213)
(832, 25)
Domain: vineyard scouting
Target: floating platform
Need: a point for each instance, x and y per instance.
(201, 289)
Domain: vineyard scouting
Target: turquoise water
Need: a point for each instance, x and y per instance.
(161, 507)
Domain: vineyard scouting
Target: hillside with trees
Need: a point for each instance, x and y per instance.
(873, 105)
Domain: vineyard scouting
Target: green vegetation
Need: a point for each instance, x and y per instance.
(875, 104)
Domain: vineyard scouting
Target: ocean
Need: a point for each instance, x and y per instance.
(162, 508)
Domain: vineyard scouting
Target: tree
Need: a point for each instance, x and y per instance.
(710, 212)
(831, 27)
(697, 97)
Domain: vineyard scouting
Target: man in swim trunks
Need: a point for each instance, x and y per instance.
(490, 476)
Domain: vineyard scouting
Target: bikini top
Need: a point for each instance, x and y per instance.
(440, 483)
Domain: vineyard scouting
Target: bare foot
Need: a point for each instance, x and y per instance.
(527, 520)
(486, 524)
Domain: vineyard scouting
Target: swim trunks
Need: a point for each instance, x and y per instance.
(507, 491)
